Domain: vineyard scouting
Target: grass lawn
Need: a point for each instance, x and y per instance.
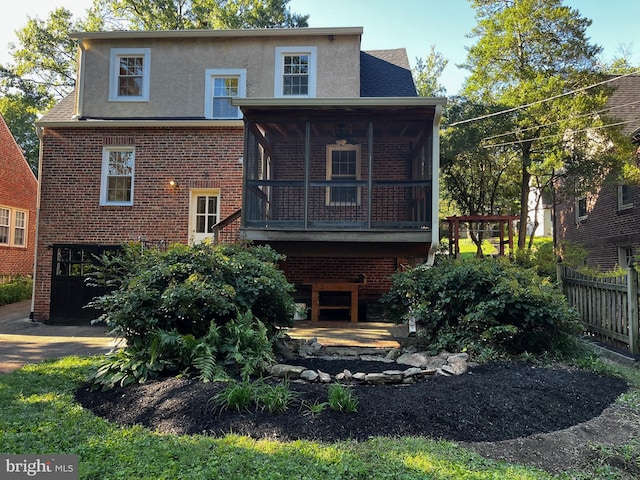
(40, 416)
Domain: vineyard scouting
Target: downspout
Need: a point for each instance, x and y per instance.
(435, 186)
(40, 133)
(80, 83)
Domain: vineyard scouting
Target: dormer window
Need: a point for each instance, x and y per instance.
(129, 74)
(295, 72)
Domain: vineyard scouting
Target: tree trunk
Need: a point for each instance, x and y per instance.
(524, 196)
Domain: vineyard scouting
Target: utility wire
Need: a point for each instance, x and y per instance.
(515, 142)
(571, 92)
(559, 121)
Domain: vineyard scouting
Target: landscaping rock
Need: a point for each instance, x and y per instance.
(309, 376)
(282, 370)
(418, 359)
(375, 358)
(324, 377)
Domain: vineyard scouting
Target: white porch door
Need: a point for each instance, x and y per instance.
(204, 214)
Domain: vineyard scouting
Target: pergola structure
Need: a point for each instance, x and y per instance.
(501, 220)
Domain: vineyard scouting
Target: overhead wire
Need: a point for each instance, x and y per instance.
(537, 102)
(515, 142)
(560, 121)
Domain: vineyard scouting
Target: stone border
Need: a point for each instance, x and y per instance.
(417, 365)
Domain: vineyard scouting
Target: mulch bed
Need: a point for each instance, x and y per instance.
(490, 403)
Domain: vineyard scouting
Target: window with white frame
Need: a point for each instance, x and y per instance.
(625, 255)
(20, 228)
(13, 227)
(221, 85)
(625, 197)
(117, 175)
(5, 225)
(295, 72)
(204, 213)
(581, 208)
(343, 165)
(129, 74)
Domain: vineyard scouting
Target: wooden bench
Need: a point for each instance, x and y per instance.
(326, 286)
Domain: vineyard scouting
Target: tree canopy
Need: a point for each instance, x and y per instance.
(427, 73)
(533, 59)
(196, 14)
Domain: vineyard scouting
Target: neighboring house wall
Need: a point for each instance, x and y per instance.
(607, 231)
(609, 225)
(18, 197)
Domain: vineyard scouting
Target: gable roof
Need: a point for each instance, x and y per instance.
(17, 180)
(386, 73)
(624, 103)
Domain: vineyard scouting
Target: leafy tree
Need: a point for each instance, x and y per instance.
(536, 53)
(20, 113)
(427, 72)
(479, 180)
(196, 14)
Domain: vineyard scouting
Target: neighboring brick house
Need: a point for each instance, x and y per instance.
(607, 222)
(294, 137)
(18, 197)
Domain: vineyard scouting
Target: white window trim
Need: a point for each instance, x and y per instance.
(105, 170)
(622, 255)
(623, 206)
(212, 73)
(12, 227)
(580, 218)
(346, 147)
(279, 71)
(115, 54)
(194, 193)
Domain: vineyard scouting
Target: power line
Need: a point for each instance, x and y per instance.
(571, 92)
(515, 142)
(560, 121)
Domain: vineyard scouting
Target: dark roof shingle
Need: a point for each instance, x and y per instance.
(386, 73)
(624, 102)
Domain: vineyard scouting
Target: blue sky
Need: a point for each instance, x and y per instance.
(418, 24)
(412, 24)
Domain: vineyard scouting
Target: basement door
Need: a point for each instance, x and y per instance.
(69, 292)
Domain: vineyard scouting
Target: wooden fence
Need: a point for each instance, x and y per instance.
(608, 306)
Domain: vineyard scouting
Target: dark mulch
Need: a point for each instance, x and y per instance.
(490, 403)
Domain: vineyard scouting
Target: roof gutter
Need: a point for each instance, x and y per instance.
(230, 33)
(344, 102)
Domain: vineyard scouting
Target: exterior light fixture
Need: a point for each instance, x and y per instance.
(173, 184)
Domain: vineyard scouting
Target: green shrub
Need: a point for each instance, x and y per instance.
(341, 398)
(483, 305)
(16, 291)
(191, 309)
(187, 287)
(241, 396)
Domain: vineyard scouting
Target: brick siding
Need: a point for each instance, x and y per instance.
(18, 189)
(70, 190)
(605, 229)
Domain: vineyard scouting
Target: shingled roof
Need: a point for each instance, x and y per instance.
(624, 104)
(386, 73)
